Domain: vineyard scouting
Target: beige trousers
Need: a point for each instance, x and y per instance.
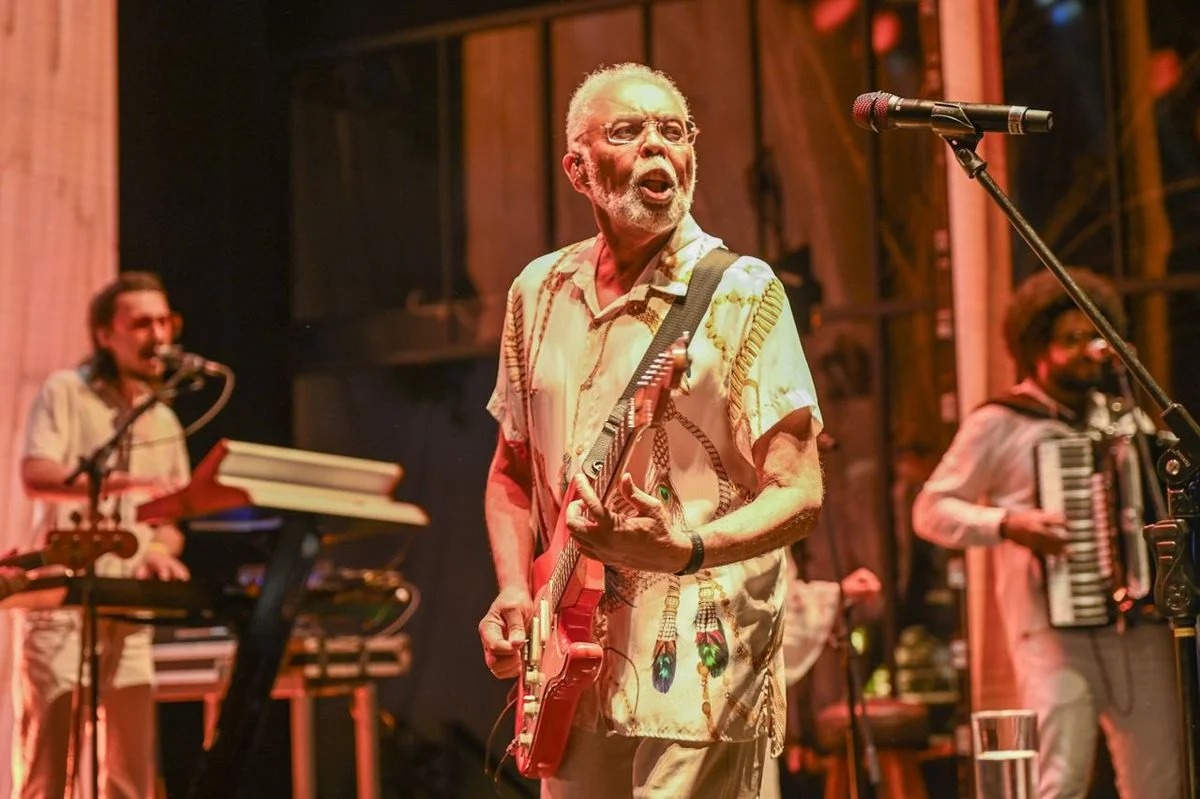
(599, 766)
(49, 665)
(1078, 681)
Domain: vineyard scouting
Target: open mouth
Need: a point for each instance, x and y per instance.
(153, 359)
(657, 188)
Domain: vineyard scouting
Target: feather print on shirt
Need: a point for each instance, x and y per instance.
(665, 654)
(710, 634)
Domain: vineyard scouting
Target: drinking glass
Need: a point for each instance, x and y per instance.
(1006, 754)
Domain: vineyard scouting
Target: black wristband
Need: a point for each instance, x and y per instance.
(697, 560)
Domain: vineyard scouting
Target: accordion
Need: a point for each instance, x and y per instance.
(1105, 572)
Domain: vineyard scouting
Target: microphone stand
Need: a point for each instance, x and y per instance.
(1170, 540)
(1148, 477)
(864, 768)
(96, 467)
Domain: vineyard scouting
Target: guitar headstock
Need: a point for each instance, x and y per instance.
(655, 385)
(79, 547)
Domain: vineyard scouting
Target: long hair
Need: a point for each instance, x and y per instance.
(1039, 301)
(103, 309)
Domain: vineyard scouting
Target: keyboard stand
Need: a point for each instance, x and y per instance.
(259, 653)
(363, 709)
(301, 697)
(314, 667)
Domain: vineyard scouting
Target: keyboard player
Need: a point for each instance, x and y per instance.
(73, 414)
(984, 492)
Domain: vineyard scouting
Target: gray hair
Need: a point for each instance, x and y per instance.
(602, 78)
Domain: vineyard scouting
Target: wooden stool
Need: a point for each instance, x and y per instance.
(900, 731)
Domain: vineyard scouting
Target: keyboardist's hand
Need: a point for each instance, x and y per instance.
(158, 565)
(1042, 531)
(119, 482)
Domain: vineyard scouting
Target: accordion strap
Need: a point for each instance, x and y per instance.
(1025, 405)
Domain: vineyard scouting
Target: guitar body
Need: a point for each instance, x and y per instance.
(562, 658)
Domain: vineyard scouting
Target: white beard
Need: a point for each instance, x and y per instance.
(627, 207)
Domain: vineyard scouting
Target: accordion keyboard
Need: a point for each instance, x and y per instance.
(1079, 581)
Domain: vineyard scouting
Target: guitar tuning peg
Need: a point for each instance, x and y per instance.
(76, 518)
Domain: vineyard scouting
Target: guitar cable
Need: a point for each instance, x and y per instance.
(488, 770)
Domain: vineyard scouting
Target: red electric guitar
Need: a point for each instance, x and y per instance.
(561, 657)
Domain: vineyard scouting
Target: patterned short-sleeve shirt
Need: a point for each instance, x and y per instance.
(687, 658)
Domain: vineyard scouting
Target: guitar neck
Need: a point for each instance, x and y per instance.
(614, 464)
(25, 560)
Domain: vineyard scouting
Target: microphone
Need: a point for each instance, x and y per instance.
(188, 362)
(1101, 351)
(879, 111)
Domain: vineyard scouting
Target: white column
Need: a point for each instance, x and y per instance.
(58, 222)
(982, 269)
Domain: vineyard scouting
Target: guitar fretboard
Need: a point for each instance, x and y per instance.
(568, 559)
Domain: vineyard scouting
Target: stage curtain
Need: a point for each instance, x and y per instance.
(505, 163)
(705, 46)
(808, 81)
(808, 78)
(579, 45)
(57, 226)
(1150, 234)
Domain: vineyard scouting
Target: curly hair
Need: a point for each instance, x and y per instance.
(1039, 301)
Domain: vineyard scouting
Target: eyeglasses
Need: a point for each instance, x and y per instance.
(672, 130)
(1073, 338)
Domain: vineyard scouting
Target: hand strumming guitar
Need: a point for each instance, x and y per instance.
(647, 540)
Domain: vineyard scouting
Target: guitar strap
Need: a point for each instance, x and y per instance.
(684, 314)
